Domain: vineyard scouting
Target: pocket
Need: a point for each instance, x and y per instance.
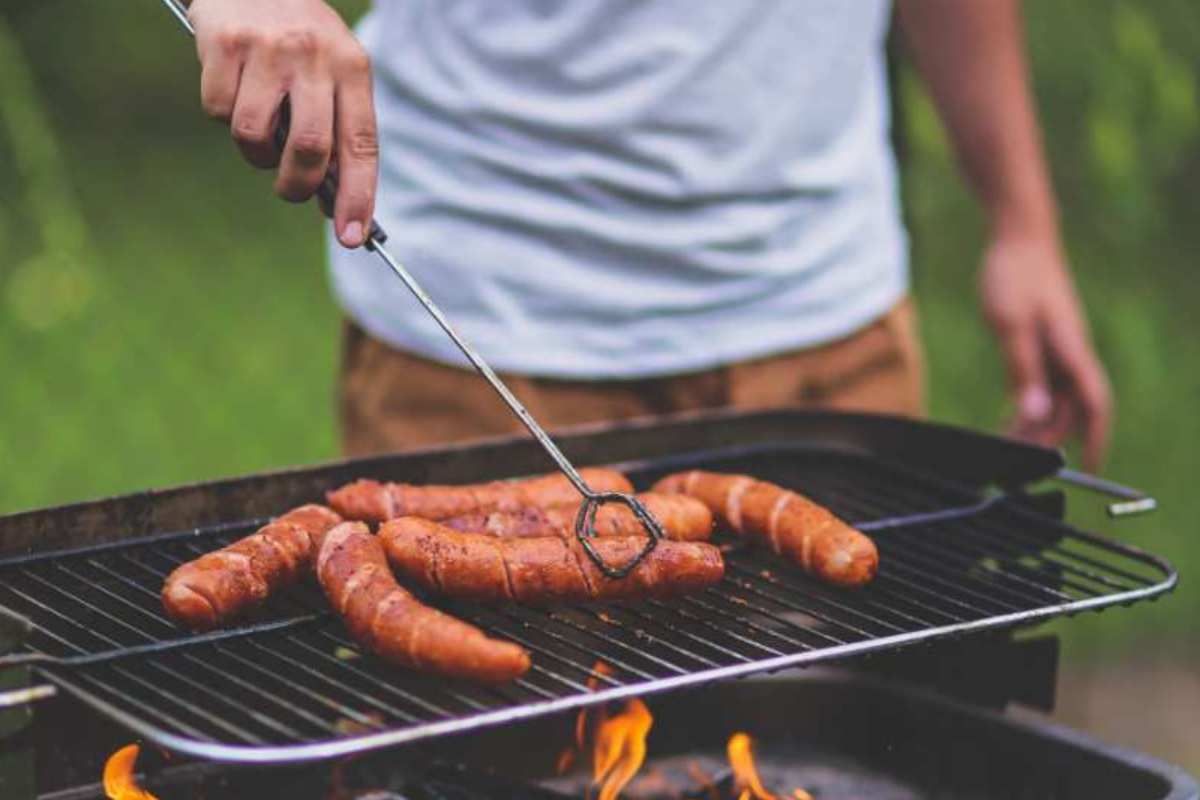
(880, 368)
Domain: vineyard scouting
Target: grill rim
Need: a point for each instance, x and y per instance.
(769, 431)
(61, 674)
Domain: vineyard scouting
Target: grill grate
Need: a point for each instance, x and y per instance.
(291, 685)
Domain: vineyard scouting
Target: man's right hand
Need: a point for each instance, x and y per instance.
(253, 55)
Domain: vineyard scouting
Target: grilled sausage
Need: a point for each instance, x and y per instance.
(372, 501)
(682, 518)
(218, 587)
(787, 522)
(542, 570)
(387, 620)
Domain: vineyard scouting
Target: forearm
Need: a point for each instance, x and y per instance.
(970, 54)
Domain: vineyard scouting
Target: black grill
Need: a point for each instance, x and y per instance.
(291, 685)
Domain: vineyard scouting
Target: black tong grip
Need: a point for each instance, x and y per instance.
(327, 191)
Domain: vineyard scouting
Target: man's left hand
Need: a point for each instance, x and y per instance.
(1058, 385)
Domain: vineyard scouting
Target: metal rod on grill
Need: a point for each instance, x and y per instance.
(28, 695)
(1133, 501)
(585, 520)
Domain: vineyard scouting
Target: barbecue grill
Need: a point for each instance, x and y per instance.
(966, 548)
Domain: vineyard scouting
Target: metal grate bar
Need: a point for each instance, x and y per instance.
(950, 594)
(624, 647)
(1013, 578)
(1007, 592)
(790, 642)
(546, 653)
(887, 579)
(1010, 541)
(345, 669)
(445, 691)
(566, 642)
(1091, 569)
(697, 619)
(143, 703)
(640, 626)
(807, 610)
(253, 688)
(166, 672)
(913, 535)
(310, 695)
(905, 619)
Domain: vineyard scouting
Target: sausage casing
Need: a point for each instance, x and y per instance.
(682, 518)
(789, 523)
(372, 501)
(218, 587)
(542, 570)
(390, 622)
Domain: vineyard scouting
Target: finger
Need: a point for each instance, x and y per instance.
(310, 140)
(1089, 387)
(1024, 358)
(1053, 431)
(219, 87)
(222, 54)
(1063, 422)
(256, 113)
(1096, 433)
(357, 152)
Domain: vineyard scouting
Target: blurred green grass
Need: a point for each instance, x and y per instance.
(163, 319)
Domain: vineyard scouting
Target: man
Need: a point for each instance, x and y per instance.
(644, 206)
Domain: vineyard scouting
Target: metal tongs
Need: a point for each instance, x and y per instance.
(585, 520)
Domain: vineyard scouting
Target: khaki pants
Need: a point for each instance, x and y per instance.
(391, 400)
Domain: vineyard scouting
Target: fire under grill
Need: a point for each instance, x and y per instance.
(290, 685)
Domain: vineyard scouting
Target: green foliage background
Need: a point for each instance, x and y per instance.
(163, 319)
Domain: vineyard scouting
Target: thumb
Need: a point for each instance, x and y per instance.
(1027, 375)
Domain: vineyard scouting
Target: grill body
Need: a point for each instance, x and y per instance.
(842, 734)
(290, 686)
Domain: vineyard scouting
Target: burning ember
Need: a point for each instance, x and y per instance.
(619, 750)
(119, 782)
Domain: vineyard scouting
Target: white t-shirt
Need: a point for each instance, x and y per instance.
(620, 188)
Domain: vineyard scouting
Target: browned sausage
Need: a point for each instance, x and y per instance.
(390, 622)
(372, 501)
(542, 570)
(682, 518)
(218, 587)
(787, 522)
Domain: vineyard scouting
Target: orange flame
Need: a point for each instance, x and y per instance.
(119, 783)
(620, 748)
(745, 773)
(566, 759)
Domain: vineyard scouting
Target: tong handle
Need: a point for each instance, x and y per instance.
(1132, 501)
(28, 695)
(327, 191)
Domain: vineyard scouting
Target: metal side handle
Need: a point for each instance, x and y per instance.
(1132, 501)
(26, 695)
